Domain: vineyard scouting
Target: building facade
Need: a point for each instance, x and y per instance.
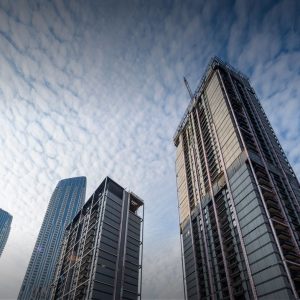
(5, 222)
(239, 199)
(102, 248)
(67, 199)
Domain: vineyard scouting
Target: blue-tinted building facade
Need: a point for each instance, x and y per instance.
(5, 222)
(239, 198)
(67, 199)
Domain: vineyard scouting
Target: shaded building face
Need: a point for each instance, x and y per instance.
(67, 198)
(238, 196)
(5, 222)
(102, 248)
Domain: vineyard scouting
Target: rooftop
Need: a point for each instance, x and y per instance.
(214, 62)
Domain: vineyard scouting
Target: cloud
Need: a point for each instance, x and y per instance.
(269, 54)
(96, 89)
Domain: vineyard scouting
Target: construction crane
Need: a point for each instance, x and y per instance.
(188, 88)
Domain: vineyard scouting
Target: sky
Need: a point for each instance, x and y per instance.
(95, 89)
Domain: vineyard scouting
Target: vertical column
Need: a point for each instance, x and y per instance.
(256, 181)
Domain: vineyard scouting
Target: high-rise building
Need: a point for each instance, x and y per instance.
(239, 199)
(5, 222)
(102, 248)
(67, 199)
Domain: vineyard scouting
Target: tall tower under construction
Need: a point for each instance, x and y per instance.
(239, 199)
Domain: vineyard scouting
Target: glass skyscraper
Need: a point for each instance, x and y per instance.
(5, 222)
(239, 199)
(67, 199)
(102, 248)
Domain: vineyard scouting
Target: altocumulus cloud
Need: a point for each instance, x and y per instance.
(95, 88)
